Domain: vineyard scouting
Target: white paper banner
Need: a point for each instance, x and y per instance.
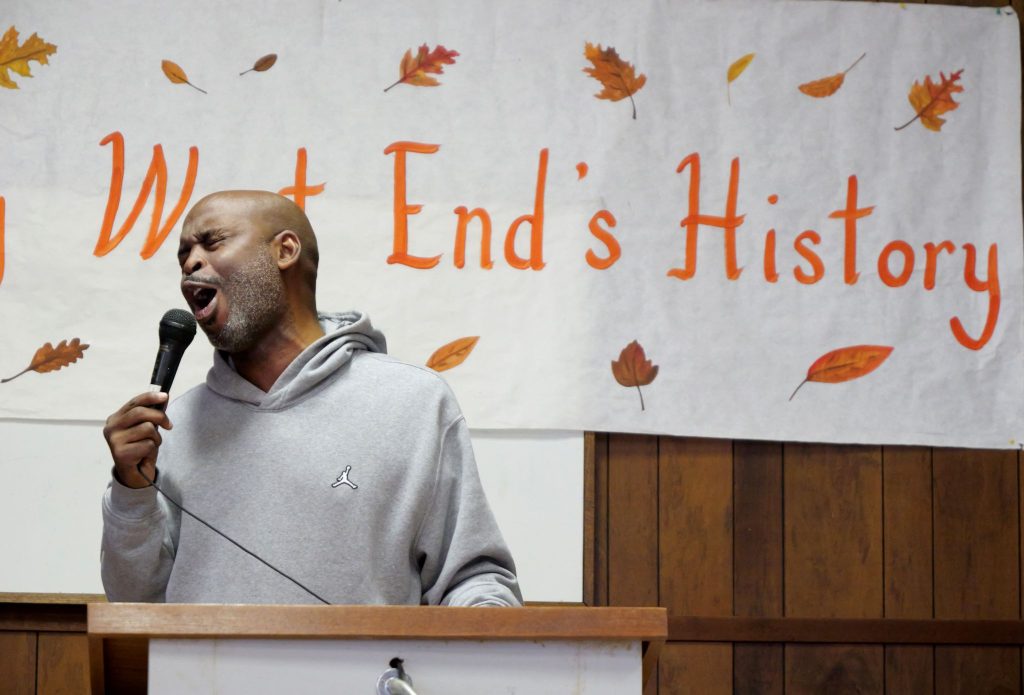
(817, 191)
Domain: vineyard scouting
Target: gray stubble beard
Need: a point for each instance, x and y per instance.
(256, 294)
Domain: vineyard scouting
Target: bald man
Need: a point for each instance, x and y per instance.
(347, 470)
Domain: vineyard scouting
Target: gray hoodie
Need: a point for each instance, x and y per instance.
(354, 474)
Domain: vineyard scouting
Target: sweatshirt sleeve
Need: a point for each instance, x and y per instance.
(463, 557)
(137, 550)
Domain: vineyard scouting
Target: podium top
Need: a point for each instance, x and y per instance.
(192, 621)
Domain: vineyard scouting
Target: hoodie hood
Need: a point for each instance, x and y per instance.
(346, 334)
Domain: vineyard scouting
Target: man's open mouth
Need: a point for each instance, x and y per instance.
(204, 301)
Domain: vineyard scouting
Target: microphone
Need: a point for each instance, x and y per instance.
(177, 329)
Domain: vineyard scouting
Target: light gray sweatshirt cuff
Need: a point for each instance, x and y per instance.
(132, 503)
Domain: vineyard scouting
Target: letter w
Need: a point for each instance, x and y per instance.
(157, 172)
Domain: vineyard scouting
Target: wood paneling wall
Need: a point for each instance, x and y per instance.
(912, 555)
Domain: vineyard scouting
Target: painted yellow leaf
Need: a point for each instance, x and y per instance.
(16, 58)
(176, 75)
(737, 68)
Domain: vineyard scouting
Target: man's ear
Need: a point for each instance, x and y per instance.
(287, 248)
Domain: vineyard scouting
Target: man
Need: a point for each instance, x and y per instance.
(344, 468)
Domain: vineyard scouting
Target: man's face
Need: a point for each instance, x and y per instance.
(228, 275)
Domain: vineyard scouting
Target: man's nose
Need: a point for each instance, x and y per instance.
(193, 262)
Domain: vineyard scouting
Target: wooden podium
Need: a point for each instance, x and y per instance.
(271, 649)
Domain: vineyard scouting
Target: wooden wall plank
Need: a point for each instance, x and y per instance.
(833, 531)
(633, 520)
(970, 670)
(909, 670)
(907, 533)
(695, 537)
(63, 663)
(907, 493)
(18, 662)
(758, 669)
(834, 669)
(695, 550)
(757, 560)
(601, 519)
(976, 534)
(695, 669)
(757, 501)
(977, 548)
(833, 561)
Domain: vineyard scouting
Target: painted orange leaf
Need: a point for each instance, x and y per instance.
(634, 369)
(453, 354)
(50, 359)
(845, 364)
(827, 86)
(417, 69)
(618, 77)
(176, 75)
(735, 70)
(16, 57)
(263, 64)
(931, 100)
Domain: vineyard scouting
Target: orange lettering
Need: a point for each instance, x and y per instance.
(770, 274)
(605, 237)
(536, 222)
(850, 215)
(403, 209)
(931, 261)
(157, 172)
(990, 285)
(485, 236)
(908, 263)
(817, 267)
(300, 191)
(694, 219)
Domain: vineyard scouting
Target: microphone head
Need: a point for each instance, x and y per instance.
(178, 326)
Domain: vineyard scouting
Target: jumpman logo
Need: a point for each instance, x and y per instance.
(343, 479)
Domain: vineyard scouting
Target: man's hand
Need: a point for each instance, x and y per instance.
(132, 436)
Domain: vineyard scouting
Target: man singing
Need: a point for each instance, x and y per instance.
(344, 468)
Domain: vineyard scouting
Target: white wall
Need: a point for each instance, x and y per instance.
(53, 473)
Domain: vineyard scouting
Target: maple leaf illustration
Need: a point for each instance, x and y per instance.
(931, 100)
(49, 358)
(618, 77)
(417, 69)
(634, 369)
(16, 58)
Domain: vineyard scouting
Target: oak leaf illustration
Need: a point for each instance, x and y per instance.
(49, 358)
(734, 71)
(827, 86)
(176, 75)
(931, 100)
(618, 77)
(452, 354)
(263, 64)
(417, 69)
(16, 58)
(634, 369)
(845, 364)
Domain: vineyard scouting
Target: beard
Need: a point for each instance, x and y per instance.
(255, 295)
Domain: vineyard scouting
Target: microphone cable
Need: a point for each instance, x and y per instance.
(228, 538)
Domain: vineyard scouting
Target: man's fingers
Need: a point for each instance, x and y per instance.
(130, 454)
